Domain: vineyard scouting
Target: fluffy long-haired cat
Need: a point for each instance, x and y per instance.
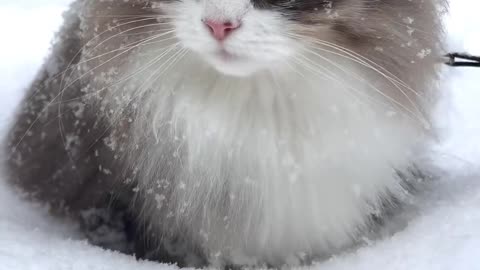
(231, 132)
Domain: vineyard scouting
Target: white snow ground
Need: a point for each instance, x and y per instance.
(444, 235)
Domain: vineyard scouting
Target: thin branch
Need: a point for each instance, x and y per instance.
(462, 60)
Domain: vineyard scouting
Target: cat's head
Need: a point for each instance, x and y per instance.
(240, 37)
(384, 49)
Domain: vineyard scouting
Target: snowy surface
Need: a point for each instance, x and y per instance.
(444, 235)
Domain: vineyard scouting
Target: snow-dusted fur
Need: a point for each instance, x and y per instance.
(275, 146)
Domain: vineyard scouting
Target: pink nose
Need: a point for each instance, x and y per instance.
(220, 30)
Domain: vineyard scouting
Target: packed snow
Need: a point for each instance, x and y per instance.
(445, 233)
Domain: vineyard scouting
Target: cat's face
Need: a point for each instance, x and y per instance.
(240, 37)
(384, 49)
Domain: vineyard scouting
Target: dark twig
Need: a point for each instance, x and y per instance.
(462, 60)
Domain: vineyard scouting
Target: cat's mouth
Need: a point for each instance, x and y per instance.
(230, 61)
(226, 56)
(232, 64)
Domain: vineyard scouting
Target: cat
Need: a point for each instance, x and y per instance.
(230, 132)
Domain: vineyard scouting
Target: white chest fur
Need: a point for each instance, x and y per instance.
(274, 168)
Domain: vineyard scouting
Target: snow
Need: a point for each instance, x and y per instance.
(445, 233)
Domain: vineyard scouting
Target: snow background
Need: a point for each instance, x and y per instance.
(444, 235)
